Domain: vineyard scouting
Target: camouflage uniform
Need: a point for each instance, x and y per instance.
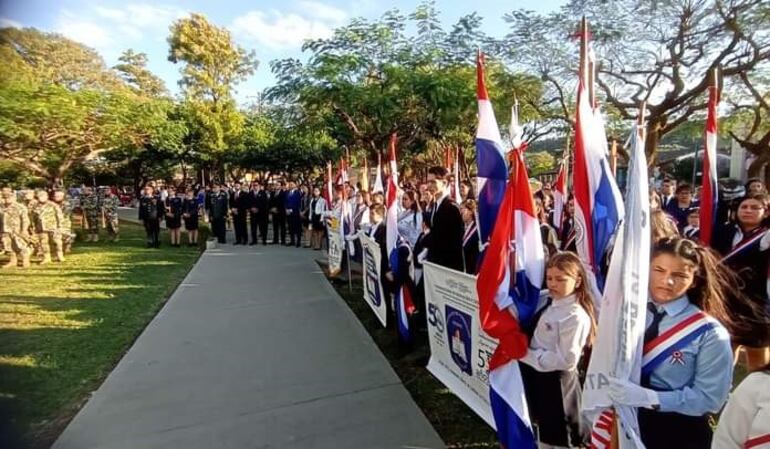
(67, 236)
(15, 228)
(30, 202)
(48, 221)
(92, 212)
(5, 237)
(111, 204)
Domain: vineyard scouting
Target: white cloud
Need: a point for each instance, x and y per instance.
(323, 12)
(83, 31)
(278, 30)
(8, 23)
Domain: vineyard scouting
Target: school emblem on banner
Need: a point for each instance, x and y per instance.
(459, 333)
(372, 278)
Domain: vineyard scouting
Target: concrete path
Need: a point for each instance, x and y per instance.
(253, 350)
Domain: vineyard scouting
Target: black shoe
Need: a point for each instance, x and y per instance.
(252, 243)
(236, 243)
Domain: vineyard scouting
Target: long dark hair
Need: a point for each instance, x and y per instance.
(713, 280)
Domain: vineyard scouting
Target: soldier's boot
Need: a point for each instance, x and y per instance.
(25, 260)
(11, 262)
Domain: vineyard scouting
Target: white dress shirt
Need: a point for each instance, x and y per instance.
(745, 421)
(559, 337)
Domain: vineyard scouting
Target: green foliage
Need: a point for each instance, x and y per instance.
(538, 163)
(212, 65)
(133, 70)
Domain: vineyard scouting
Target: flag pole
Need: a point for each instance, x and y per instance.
(614, 157)
(350, 276)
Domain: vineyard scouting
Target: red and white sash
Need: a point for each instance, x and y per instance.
(745, 244)
(468, 233)
(680, 335)
(762, 441)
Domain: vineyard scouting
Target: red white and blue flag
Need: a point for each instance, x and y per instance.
(346, 219)
(391, 199)
(708, 200)
(598, 203)
(498, 309)
(378, 185)
(404, 304)
(490, 159)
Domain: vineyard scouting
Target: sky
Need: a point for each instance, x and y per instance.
(273, 29)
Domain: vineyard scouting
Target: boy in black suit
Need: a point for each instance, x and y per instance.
(446, 248)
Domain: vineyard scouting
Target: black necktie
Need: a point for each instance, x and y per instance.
(651, 333)
(653, 329)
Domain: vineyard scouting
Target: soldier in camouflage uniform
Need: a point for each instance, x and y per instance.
(5, 238)
(48, 222)
(67, 236)
(30, 202)
(15, 226)
(111, 203)
(92, 212)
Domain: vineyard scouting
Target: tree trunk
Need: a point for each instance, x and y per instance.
(652, 141)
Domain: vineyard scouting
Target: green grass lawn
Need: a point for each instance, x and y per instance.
(64, 326)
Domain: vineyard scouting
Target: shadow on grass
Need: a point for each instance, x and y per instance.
(63, 327)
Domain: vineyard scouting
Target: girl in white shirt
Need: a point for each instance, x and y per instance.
(560, 330)
(745, 421)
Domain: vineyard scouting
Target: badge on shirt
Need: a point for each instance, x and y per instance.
(677, 358)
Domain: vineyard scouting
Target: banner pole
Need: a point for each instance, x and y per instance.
(350, 277)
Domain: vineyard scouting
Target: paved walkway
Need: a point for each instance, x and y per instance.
(253, 350)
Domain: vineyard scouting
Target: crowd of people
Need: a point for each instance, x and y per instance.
(37, 224)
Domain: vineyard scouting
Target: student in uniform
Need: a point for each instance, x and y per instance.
(470, 236)
(410, 218)
(745, 421)
(151, 210)
(317, 210)
(190, 213)
(745, 247)
(687, 363)
(692, 230)
(173, 215)
(559, 333)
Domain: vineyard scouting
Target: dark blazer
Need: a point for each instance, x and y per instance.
(278, 201)
(261, 201)
(151, 208)
(293, 200)
(447, 236)
(240, 200)
(219, 205)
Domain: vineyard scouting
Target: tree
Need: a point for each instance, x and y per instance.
(212, 65)
(133, 71)
(661, 53)
(749, 123)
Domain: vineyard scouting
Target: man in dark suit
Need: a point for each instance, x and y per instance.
(239, 207)
(253, 211)
(151, 210)
(261, 203)
(278, 214)
(293, 203)
(218, 207)
(446, 247)
(667, 189)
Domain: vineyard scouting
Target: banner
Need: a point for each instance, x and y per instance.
(335, 248)
(373, 293)
(459, 349)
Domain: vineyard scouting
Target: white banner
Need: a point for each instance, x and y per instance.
(459, 349)
(335, 251)
(373, 292)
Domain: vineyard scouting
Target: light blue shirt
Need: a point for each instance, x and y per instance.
(698, 380)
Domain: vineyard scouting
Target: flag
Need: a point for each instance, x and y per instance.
(404, 304)
(329, 191)
(560, 195)
(378, 185)
(598, 204)
(365, 176)
(617, 351)
(492, 172)
(708, 200)
(456, 193)
(506, 391)
(391, 199)
(346, 221)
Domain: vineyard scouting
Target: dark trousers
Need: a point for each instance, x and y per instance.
(262, 222)
(253, 226)
(668, 430)
(279, 228)
(218, 228)
(152, 228)
(239, 225)
(295, 229)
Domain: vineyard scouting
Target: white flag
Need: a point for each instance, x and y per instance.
(617, 351)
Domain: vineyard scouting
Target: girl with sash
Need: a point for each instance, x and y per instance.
(745, 246)
(470, 236)
(317, 211)
(559, 332)
(410, 218)
(687, 359)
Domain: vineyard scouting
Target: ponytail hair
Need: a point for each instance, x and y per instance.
(569, 263)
